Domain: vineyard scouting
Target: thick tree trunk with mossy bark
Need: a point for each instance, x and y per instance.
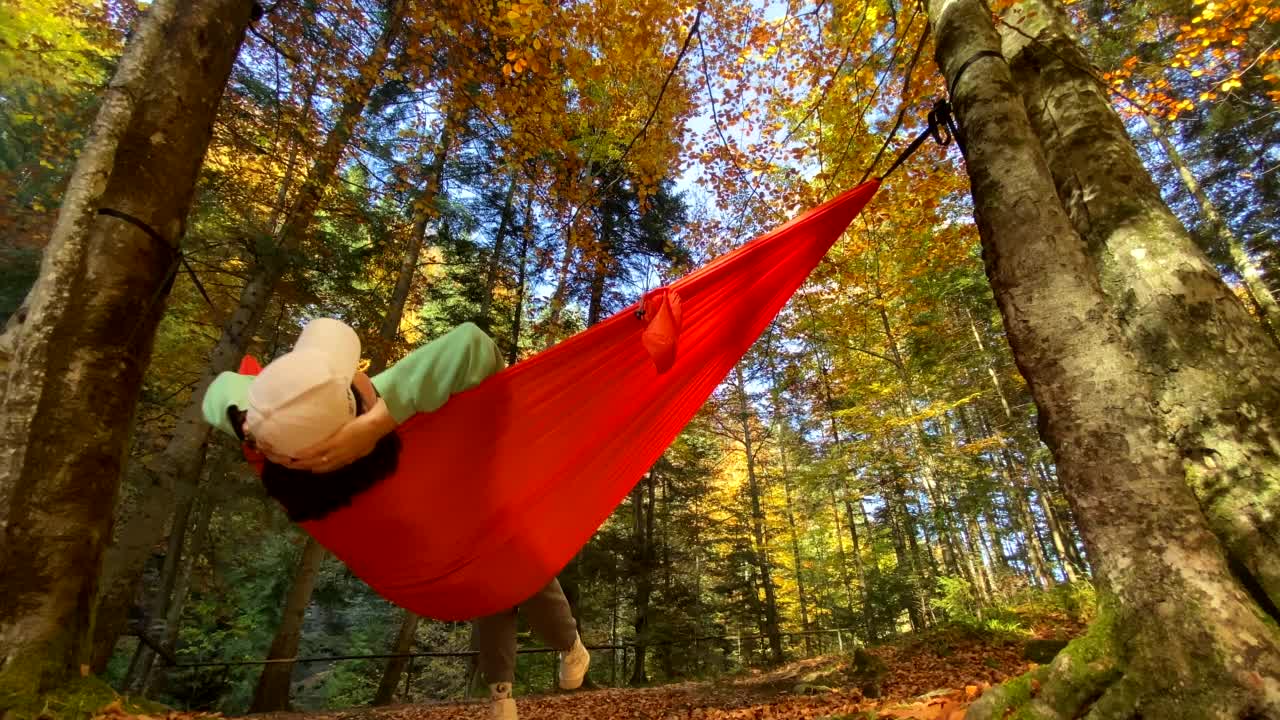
(1214, 371)
(1178, 636)
(69, 401)
(174, 475)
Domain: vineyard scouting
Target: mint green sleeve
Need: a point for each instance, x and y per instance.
(426, 377)
(226, 390)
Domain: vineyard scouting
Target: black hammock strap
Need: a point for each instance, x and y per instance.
(941, 127)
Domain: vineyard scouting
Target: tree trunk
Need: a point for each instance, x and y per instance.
(642, 557)
(1063, 538)
(178, 601)
(174, 562)
(757, 523)
(796, 560)
(518, 315)
(834, 430)
(63, 436)
(561, 294)
(1030, 534)
(1215, 373)
(1176, 637)
(929, 475)
(424, 210)
(396, 665)
(899, 517)
(495, 258)
(1248, 270)
(175, 474)
(272, 693)
(840, 553)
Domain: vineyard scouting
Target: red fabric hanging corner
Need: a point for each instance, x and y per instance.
(498, 489)
(662, 317)
(249, 365)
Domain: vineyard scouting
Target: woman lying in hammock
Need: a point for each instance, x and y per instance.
(325, 430)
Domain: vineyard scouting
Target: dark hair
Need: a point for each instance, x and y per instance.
(305, 495)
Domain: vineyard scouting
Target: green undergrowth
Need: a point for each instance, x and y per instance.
(1062, 610)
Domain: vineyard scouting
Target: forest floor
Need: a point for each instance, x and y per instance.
(931, 676)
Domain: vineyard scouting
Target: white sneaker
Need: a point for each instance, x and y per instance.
(573, 665)
(501, 705)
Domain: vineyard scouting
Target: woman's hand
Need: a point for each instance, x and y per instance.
(350, 443)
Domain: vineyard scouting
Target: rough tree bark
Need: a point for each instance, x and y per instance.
(1215, 372)
(1177, 637)
(66, 414)
(175, 473)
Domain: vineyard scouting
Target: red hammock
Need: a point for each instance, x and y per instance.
(499, 488)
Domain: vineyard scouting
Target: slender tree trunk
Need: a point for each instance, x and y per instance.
(174, 561)
(173, 618)
(1215, 373)
(518, 315)
(844, 564)
(1062, 534)
(757, 522)
(272, 693)
(979, 548)
(495, 258)
(1018, 492)
(642, 554)
(175, 474)
(1177, 636)
(62, 440)
(796, 559)
(834, 430)
(900, 518)
(1069, 566)
(396, 665)
(425, 211)
(561, 294)
(1248, 270)
(929, 475)
(1031, 536)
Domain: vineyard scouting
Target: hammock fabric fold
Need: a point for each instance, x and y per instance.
(497, 490)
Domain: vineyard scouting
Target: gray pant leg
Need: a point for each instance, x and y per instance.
(547, 613)
(496, 641)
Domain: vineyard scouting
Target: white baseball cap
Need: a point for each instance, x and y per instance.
(305, 395)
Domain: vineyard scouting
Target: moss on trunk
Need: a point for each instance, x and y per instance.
(78, 699)
(1125, 668)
